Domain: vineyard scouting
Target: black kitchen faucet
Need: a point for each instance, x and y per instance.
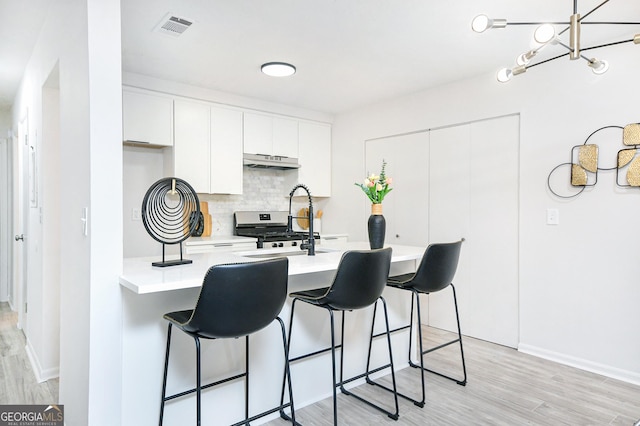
(311, 244)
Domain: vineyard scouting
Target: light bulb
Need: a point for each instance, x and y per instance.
(544, 33)
(480, 23)
(598, 66)
(525, 58)
(503, 75)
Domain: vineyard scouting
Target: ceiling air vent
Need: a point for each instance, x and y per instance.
(173, 25)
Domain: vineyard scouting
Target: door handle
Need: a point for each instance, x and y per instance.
(19, 237)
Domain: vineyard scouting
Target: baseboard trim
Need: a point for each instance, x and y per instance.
(582, 364)
(42, 375)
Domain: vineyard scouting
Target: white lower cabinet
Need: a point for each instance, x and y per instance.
(208, 147)
(218, 244)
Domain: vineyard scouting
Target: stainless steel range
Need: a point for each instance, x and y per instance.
(270, 228)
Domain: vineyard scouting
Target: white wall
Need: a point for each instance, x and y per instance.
(5, 201)
(82, 36)
(577, 280)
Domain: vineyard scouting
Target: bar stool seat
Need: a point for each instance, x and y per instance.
(435, 273)
(358, 283)
(235, 300)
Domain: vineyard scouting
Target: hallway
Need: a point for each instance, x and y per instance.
(17, 381)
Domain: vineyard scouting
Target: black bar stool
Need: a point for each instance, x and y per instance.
(435, 272)
(358, 283)
(236, 300)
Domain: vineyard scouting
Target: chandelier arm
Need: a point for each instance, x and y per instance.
(607, 44)
(537, 23)
(591, 11)
(610, 23)
(547, 60)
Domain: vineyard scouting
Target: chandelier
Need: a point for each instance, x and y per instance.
(545, 34)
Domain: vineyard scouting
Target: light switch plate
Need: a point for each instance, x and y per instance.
(553, 217)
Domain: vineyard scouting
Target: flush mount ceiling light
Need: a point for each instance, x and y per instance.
(278, 69)
(545, 34)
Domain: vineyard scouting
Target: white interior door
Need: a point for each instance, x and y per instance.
(21, 215)
(474, 194)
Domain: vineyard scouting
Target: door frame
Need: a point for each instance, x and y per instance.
(6, 216)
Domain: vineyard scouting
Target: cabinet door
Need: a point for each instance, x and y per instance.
(226, 151)
(315, 158)
(285, 137)
(147, 118)
(258, 133)
(191, 149)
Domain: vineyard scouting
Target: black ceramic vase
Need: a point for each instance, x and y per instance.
(377, 227)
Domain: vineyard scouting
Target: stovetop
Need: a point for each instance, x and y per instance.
(268, 227)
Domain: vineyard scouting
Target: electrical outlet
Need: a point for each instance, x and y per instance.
(135, 214)
(553, 217)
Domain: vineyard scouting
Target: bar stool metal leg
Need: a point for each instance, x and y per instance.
(246, 378)
(462, 382)
(333, 365)
(287, 373)
(393, 390)
(166, 369)
(198, 383)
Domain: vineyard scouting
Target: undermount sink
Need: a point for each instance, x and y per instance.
(268, 253)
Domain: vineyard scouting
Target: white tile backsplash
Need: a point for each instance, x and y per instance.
(262, 190)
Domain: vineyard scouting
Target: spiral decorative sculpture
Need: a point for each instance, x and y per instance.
(170, 214)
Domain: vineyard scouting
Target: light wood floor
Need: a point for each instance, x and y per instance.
(17, 382)
(505, 387)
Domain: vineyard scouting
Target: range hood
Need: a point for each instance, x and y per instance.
(262, 161)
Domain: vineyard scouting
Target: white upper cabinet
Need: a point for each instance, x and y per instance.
(208, 147)
(192, 144)
(315, 157)
(285, 137)
(258, 130)
(147, 118)
(226, 151)
(270, 135)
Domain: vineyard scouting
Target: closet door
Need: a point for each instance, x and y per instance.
(473, 181)
(405, 208)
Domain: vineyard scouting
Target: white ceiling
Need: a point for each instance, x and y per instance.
(21, 22)
(348, 53)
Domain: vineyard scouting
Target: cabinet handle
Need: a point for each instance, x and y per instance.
(223, 245)
(330, 238)
(397, 235)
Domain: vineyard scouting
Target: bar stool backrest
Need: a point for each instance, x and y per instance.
(360, 279)
(240, 298)
(437, 268)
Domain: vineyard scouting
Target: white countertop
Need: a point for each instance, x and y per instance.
(141, 277)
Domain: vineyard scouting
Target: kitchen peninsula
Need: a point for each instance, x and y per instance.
(149, 292)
